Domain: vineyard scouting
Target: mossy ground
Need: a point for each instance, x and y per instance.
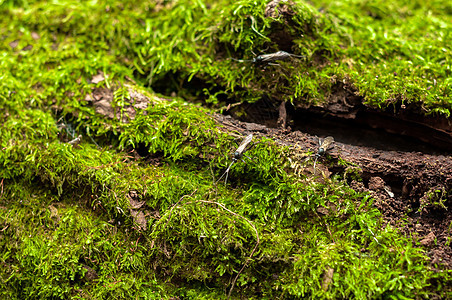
(70, 225)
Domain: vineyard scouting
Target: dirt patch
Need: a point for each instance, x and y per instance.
(103, 101)
(120, 103)
(277, 8)
(413, 190)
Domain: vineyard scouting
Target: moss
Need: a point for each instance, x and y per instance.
(96, 220)
(388, 52)
(55, 248)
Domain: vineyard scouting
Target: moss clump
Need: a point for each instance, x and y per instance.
(387, 52)
(53, 248)
(95, 220)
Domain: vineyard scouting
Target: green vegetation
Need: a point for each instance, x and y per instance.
(389, 53)
(96, 220)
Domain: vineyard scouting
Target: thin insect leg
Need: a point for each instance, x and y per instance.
(252, 146)
(70, 131)
(247, 157)
(97, 145)
(226, 172)
(285, 71)
(297, 56)
(315, 161)
(226, 178)
(240, 60)
(221, 177)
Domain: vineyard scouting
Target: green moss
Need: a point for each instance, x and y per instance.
(387, 52)
(69, 210)
(54, 248)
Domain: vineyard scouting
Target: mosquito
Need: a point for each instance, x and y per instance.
(75, 141)
(268, 59)
(323, 147)
(238, 154)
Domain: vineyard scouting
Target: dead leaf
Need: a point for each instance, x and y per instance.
(14, 44)
(327, 278)
(103, 107)
(428, 240)
(90, 274)
(35, 35)
(136, 204)
(54, 213)
(139, 218)
(322, 210)
(98, 78)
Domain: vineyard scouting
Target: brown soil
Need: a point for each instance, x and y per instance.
(411, 189)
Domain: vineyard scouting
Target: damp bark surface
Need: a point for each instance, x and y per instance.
(410, 188)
